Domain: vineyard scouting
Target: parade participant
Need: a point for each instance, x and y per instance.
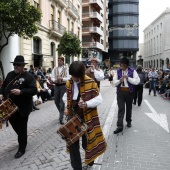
(95, 72)
(111, 74)
(59, 76)
(125, 79)
(83, 97)
(19, 86)
(153, 77)
(139, 88)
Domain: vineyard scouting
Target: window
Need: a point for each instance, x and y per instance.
(52, 49)
(68, 24)
(72, 27)
(59, 17)
(101, 41)
(36, 44)
(78, 32)
(52, 12)
(37, 4)
(161, 25)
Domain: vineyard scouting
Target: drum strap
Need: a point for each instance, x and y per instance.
(12, 81)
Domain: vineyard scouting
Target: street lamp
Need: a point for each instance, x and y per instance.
(140, 60)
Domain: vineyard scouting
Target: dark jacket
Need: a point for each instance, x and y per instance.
(26, 83)
(142, 77)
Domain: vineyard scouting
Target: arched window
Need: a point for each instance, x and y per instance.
(37, 51)
(167, 62)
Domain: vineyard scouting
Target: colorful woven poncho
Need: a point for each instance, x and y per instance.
(96, 144)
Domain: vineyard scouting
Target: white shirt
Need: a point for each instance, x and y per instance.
(60, 68)
(135, 80)
(92, 103)
(99, 74)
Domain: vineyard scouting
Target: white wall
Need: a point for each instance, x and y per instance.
(9, 52)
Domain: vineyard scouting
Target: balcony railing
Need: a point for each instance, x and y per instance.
(93, 30)
(97, 2)
(62, 3)
(93, 45)
(57, 27)
(92, 15)
(72, 8)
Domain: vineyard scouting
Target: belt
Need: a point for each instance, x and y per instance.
(124, 89)
(62, 84)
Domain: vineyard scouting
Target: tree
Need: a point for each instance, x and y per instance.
(17, 17)
(69, 45)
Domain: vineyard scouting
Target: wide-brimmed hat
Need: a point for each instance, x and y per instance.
(61, 58)
(94, 59)
(19, 59)
(124, 60)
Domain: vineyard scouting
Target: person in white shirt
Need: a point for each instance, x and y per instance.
(59, 76)
(95, 72)
(111, 75)
(125, 79)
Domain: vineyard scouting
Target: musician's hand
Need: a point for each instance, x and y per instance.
(66, 113)
(16, 91)
(121, 79)
(82, 104)
(125, 76)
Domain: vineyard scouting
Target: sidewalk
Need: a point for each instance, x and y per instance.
(46, 150)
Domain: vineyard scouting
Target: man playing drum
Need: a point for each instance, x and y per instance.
(19, 86)
(82, 97)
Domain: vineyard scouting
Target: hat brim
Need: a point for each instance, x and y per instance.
(18, 63)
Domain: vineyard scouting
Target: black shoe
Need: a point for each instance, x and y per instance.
(134, 103)
(36, 108)
(129, 125)
(91, 163)
(149, 93)
(155, 95)
(19, 154)
(61, 122)
(118, 130)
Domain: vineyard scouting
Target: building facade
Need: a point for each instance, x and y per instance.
(157, 42)
(94, 27)
(58, 16)
(123, 30)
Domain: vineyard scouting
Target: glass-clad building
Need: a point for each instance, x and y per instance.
(123, 30)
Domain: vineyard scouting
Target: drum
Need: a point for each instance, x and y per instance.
(72, 130)
(7, 109)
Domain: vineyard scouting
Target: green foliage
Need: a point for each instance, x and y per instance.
(69, 45)
(18, 17)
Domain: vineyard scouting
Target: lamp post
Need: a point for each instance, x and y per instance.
(140, 60)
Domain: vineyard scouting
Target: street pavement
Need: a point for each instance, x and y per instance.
(144, 146)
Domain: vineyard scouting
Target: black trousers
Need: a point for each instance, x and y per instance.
(75, 153)
(58, 94)
(19, 125)
(138, 94)
(124, 99)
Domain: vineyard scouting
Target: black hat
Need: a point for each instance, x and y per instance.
(124, 60)
(19, 59)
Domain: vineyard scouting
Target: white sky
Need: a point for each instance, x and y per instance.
(148, 11)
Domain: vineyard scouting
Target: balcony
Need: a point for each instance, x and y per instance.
(96, 30)
(62, 3)
(72, 10)
(97, 4)
(95, 16)
(56, 28)
(93, 45)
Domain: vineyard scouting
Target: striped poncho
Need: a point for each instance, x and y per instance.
(96, 144)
